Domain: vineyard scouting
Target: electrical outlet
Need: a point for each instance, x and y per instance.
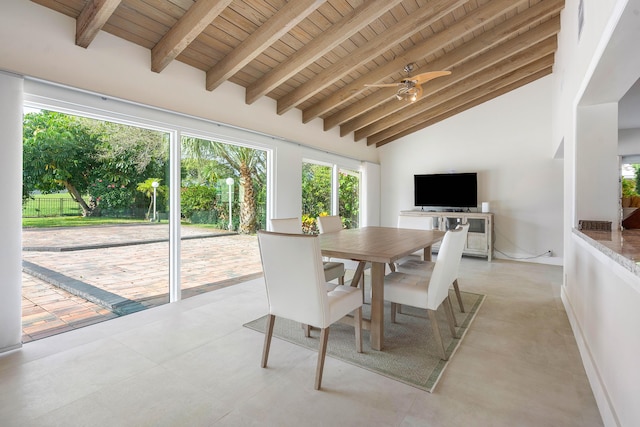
(549, 252)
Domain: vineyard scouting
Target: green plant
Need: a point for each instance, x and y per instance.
(628, 187)
(111, 195)
(197, 199)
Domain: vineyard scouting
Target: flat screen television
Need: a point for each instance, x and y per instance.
(446, 190)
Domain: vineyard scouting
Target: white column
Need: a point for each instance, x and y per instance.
(11, 95)
(370, 194)
(597, 170)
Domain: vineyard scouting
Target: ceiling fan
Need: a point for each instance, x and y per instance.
(410, 88)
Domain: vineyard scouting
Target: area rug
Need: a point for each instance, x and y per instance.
(410, 354)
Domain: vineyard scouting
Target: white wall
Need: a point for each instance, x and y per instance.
(629, 142)
(601, 298)
(43, 46)
(507, 141)
(11, 212)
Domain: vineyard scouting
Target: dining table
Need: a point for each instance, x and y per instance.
(379, 246)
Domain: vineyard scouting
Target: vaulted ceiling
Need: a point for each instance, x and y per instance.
(318, 55)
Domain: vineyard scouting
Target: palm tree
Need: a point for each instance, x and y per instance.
(248, 163)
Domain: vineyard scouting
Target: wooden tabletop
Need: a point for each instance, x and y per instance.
(377, 244)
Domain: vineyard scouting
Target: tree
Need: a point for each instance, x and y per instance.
(248, 163)
(128, 155)
(90, 158)
(59, 152)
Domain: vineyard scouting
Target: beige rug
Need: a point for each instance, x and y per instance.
(410, 354)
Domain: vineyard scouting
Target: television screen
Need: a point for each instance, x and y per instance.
(446, 190)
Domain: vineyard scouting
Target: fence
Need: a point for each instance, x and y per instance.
(44, 207)
(53, 207)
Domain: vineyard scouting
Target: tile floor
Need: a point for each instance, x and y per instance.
(193, 364)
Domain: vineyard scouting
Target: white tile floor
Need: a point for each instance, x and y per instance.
(193, 364)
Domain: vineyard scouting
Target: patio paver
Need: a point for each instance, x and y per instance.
(119, 261)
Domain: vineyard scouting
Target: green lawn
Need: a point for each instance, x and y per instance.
(46, 205)
(76, 221)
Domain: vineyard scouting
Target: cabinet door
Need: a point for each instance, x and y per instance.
(477, 241)
(477, 236)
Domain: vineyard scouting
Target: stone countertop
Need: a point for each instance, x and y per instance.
(621, 246)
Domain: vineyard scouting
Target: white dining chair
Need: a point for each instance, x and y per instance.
(413, 265)
(417, 223)
(430, 292)
(332, 224)
(329, 223)
(332, 269)
(296, 290)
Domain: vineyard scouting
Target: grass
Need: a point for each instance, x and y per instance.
(79, 221)
(56, 204)
(76, 221)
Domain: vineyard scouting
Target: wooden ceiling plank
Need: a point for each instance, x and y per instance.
(279, 24)
(478, 65)
(192, 23)
(465, 106)
(475, 74)
(470, 23)
(487, 41)
(317, 47)
(501, 75)
(423, 17)
(92, 18)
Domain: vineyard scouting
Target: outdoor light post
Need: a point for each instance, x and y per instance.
(155, 185)
(230, 184)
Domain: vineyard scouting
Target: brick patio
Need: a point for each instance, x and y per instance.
(123, 268)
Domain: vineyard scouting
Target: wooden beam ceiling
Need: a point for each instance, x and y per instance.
(317, 55)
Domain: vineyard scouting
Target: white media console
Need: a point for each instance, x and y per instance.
(480, 237)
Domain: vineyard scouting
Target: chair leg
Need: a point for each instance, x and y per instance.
(451, 318)
(357, 322)
(341, 280)
(458, 296)
(436, 333)
(394, 308)
(307, 330)
(268, 333)
(322, 351)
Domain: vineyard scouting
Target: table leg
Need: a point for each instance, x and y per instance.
(377, 305)
(427, 253)
(358, 274)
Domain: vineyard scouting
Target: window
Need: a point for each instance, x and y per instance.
(95, 210)
(328, 190)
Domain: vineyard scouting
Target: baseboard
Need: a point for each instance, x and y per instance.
(607, 412)
(10, 348)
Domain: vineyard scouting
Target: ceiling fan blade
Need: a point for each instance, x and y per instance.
(425, 77)
(385, 85)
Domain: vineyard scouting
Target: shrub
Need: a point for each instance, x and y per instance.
(197, 199)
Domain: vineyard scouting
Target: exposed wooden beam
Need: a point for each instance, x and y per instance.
(465, 106)
(188, 27)
(92, 18)
(421, 18)
(342, 30)
(467, 25)
(373, 121)
(481, 43)
(277, 26)
(503, 74)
